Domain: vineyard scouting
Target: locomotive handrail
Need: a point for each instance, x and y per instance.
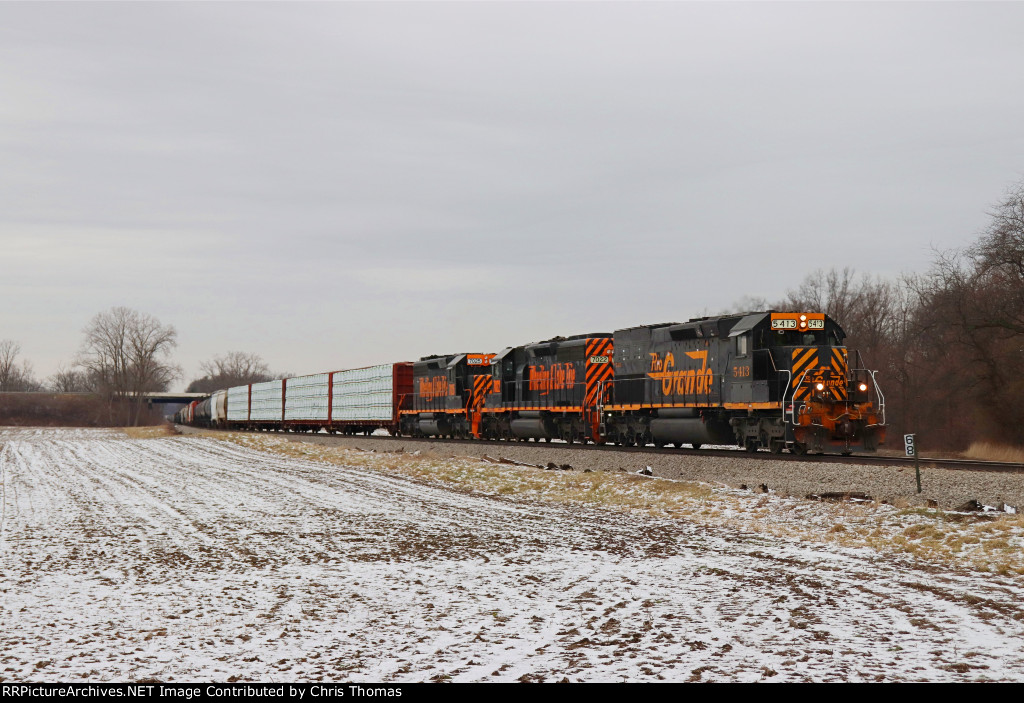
(881, 397)
(878, 392)
(792, 408)
(789, 379)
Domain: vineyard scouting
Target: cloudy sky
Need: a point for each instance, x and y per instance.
(338, 184)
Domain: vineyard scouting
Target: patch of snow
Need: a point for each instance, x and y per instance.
(187, 558)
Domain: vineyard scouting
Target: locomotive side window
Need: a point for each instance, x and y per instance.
(741, 345)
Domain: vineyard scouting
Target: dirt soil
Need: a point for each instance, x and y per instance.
(190, 558)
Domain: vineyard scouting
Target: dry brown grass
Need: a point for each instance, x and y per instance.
(985, 451)
(152, 432)
(984, 543)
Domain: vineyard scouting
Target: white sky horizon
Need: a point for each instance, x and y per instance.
(333, 185)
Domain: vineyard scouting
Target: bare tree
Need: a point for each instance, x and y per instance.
(998, 266)
(69, 381)
(236, 364)
(232, 369)
(125, 354)
(972, 309)
(15, 377)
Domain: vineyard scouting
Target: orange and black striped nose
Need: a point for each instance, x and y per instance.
(840, 369)
(825, 365)
(600, 367)
(482, 385)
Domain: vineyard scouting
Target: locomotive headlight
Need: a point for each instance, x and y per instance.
(862, 387)
(820, 386)
(803, 318)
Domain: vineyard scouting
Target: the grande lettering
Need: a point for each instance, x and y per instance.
(829, 380)
(681, 381)
(558, 377)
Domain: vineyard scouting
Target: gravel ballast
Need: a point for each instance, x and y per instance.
(948, 488)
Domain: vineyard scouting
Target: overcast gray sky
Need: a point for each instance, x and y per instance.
(338, 184)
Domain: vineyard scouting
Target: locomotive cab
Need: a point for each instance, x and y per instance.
(794, 374)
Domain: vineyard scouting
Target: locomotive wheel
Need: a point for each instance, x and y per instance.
(696, 445)
(776, 445)
(799, 449)
(750, 445)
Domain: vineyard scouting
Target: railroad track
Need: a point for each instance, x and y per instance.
(869, 460)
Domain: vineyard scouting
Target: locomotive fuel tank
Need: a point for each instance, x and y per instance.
(695, 430)
(530, 425)
(433, 424)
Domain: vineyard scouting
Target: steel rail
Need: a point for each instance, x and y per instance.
(736, 453)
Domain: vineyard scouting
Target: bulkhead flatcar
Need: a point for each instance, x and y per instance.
(349, 401)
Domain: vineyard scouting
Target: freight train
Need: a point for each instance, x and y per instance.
(767, 380)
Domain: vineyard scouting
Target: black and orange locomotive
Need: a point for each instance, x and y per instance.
(766, 380)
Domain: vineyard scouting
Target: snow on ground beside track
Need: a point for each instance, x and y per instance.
(980, 541)
(188, 558)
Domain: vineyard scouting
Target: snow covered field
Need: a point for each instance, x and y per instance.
(188, 558)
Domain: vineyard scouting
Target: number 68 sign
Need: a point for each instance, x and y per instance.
(908, 441)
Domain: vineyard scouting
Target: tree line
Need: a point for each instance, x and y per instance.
(124, 355)
(948, 343)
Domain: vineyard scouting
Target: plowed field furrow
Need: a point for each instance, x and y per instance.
(190, 558)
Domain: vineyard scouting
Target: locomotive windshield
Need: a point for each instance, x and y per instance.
(796, 338)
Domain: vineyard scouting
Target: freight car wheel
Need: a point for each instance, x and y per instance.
(696, 445)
